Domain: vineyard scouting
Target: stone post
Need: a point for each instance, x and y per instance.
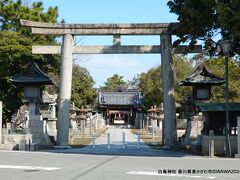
(238, 138)
(123, 140)
(108, 140)
(138, 140)
(93, 140)
(82, 128)
(168, 91)
(63, 121)
(211, 143)
(153, 129)
(1, 122)
(90, 125)
(147, 123)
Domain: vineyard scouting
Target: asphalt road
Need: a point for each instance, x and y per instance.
(56, 166)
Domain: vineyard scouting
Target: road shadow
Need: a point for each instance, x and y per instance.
(131, 149)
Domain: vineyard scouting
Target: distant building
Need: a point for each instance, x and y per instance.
(120, 106)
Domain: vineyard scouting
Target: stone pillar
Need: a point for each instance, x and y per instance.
(1, 122)
(168, 90)
(211, 143)
(238, 138)
(63, 121)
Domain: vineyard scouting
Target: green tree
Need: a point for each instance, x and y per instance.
(204, 19)
(12, 11)
(151, 86)
(114, 82)
(182, 68)
(15, 47)
(216, 65)
(83, 92)
(151, 82)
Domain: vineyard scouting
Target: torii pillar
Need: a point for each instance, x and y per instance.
(63, 120)
(170, 130)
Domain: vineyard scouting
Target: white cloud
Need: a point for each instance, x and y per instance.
(102, 67)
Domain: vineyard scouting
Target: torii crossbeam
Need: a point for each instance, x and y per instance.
(164, 30)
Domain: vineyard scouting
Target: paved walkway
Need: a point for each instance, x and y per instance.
(116, 146)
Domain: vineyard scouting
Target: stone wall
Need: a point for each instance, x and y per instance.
(14, 141)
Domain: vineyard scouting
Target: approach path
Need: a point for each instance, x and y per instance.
(116, 146)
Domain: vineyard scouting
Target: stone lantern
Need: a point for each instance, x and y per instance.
(32, 80)
(201, 81)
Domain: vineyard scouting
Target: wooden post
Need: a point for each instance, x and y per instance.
(211, 143)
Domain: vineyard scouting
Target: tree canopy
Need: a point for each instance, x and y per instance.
(151, 83)
(15, 53)
(206, 19)
(83, 92)
(15, 47)
(12, 11)
(216, 65)
(114, 82)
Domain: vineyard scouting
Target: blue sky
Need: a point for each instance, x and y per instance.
(109, 11)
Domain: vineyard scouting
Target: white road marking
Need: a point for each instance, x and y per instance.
(148, 173)
(28, 167)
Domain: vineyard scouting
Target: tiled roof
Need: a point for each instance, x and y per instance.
(126, 97)
(32, 76)
(202, 76)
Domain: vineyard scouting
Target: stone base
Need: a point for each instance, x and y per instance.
(237, 156)
(2, 146)
(38, 128)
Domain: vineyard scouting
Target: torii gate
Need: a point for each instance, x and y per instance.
(164, 30)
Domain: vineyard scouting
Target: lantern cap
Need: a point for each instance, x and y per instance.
(202, 76)
(31, 76)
